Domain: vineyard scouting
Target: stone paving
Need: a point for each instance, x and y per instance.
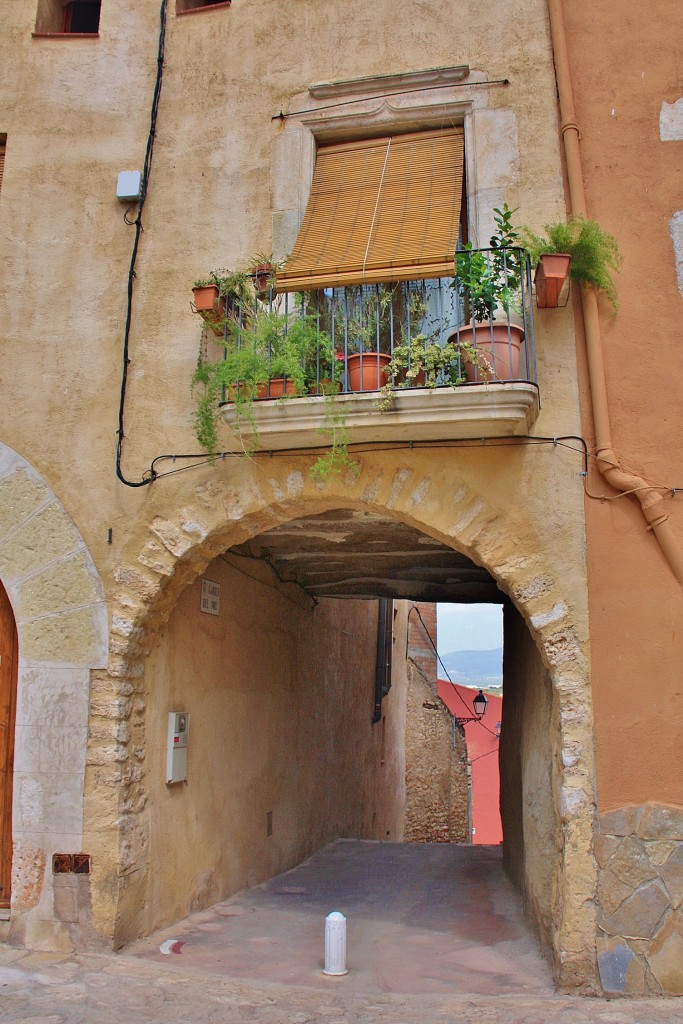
(44, 988)
(422, 919)
(436, 936)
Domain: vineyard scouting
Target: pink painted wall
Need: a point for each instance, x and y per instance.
(482, 749)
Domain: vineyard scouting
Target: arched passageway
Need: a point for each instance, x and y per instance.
(344, 554)
(284, 725)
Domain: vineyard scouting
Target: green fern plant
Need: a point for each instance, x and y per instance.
(594, 252)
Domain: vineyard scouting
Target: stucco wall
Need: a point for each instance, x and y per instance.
(84, 116)
(628, 102)
(531, 826)
(280, 695)
(76, 112)
(621, 94)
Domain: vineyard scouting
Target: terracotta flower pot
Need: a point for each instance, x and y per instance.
(263, 274)
(551, 273)
(495, 348)
(211, 307)
(368, 371)
(418, 381)
(244, 391)
(326, 386)
(279, 387)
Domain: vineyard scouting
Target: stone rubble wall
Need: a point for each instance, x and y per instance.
(639, 851)
(437, 772)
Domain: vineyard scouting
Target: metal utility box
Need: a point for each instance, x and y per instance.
(176, 746)
(129, 186)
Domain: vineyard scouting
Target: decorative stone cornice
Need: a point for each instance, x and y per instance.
(401, 82)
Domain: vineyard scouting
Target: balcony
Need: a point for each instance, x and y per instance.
(391, 362)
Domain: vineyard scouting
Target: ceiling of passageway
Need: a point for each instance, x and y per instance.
(346, 553)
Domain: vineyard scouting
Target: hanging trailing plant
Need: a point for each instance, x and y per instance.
(337, 459)
(273, 347)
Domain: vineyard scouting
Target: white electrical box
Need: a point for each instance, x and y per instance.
(129, 186)
(176, 746)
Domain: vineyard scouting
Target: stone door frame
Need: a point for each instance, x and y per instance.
(57, 599)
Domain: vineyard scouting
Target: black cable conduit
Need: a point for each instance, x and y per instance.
(138, 231)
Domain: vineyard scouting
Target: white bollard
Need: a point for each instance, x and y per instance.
(335, 944)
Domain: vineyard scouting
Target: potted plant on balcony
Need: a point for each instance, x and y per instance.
(267, 358)
(423, 362)
(489, 283)
(239, 377)
(369, 332)
(262, 270)
(287, 343)
(590, 252)
(218, 293)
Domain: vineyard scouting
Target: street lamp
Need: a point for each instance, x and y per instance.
(480, 704)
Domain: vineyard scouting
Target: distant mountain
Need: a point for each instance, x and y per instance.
(475, 668)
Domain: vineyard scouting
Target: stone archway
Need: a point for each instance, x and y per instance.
(221, 514)
(58, 603)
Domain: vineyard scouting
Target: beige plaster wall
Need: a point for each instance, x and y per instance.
(280, 694)
(76, 112)
(83, 116)
(528, 755)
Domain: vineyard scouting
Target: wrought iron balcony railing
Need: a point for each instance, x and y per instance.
(469, 330)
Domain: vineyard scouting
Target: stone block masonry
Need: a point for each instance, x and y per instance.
(639, 851)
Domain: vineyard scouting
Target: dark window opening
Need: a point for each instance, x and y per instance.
(82, 16)
(3, 146)
(195, 5)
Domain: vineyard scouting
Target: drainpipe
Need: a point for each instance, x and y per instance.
(622, 480)
(381, 658)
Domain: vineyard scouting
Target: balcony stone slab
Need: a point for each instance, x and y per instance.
(418, 414)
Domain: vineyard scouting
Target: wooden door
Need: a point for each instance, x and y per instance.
(8, 698)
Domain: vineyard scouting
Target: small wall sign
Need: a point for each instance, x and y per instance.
(211, 597)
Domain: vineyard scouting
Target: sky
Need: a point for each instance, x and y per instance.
(469, 627)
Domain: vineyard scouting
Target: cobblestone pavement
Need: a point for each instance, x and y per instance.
(46, 988)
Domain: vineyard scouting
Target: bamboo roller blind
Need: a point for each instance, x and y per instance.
(380, 210)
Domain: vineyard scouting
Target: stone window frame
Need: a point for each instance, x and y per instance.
(375, 106)
(197, 6)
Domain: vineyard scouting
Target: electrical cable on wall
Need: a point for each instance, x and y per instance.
(282, 116)
(512, 441)
(138, 231)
